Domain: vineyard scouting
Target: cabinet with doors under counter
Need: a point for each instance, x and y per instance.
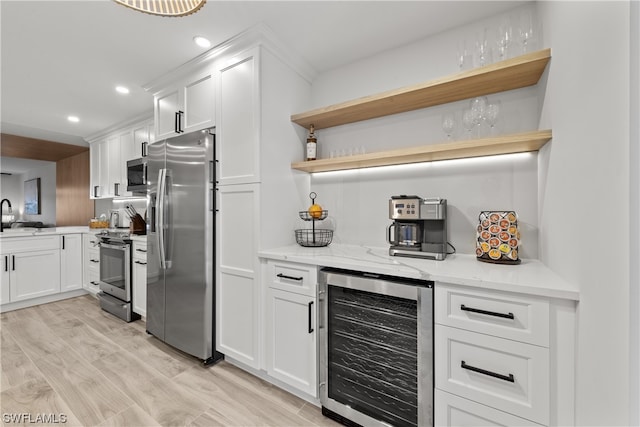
(291, 336)
(515, 73)
(139, 275)
(91, 258)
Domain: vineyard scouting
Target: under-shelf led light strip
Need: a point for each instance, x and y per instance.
(497, 159)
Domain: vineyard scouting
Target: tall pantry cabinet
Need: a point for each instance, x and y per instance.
(255, 145)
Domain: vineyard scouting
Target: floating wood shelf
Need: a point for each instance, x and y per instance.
(507, 144)
(519, 72)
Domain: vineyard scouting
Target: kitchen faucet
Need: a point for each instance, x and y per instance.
(2, 203)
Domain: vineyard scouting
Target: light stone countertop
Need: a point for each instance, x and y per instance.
(530, 276)
(27, 231)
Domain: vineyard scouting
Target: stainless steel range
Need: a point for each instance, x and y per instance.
(115, 274)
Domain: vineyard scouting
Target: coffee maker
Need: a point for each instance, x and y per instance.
(419, 227)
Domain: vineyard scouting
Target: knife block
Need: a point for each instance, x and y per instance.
(137, 225)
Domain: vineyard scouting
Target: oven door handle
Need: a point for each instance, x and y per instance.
(122, 247)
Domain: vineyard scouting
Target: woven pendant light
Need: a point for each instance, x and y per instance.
(173, 8)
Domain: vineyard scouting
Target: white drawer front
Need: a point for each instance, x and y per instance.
(454, 411)
(298, 278)
(465, 361)
(513, 316)
(139, 251)
(26, 244)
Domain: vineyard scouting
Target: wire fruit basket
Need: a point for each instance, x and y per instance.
(313, 237)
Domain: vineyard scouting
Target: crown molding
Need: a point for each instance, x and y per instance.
(258, 35)
(148, 116)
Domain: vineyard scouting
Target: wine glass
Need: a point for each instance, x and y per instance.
(504, 38)
(448, 124)
(479, 106)
(464, 58)
(483, 53)
(469, 121)
(527, 31)
(491, 115)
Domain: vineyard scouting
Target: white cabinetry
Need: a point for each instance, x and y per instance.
(185, 106)
(291, 338)
(502, 357)
(139, 276)
(109, 153)
(31, 267)
(238, 152)
(91, 273)
(238, 297)
(71, 262)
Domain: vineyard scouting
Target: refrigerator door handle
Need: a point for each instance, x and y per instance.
(160, 217)
(167, 223)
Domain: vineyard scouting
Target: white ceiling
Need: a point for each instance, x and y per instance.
(62, 58)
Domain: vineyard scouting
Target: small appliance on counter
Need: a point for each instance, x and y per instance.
(419, 228)
(313, 237)
(498, 237)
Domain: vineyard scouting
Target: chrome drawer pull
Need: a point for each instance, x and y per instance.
(488, 313)
(508, 378)
(283, 276)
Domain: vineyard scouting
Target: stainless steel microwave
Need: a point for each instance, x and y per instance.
(137, 175)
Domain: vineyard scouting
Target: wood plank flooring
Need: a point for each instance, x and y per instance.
(70, 357)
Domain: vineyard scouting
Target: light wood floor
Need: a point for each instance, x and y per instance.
(72, 358)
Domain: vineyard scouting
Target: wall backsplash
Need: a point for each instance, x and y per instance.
(357, 200)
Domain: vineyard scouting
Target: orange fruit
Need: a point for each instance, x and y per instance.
(315, 211)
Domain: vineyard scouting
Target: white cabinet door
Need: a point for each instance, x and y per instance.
(187, 106)
(198, 102)
(5, 285)
(237, 132)
(94, 156)
(70, 262)
(167, 105)
(237, 291)
(127, 148)
(291, 339)
(140, 278)
(114, 168)
(142, 137)
(34, 274)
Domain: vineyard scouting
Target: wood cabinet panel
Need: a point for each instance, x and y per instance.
(73, 204)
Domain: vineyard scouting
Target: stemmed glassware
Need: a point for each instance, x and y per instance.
(491, 115)
(464, 57)
(448, 124)
(483, 52)
(504, 38)
(527, 31)
(468, 121)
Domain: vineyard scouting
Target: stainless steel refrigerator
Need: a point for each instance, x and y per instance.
(180, 243)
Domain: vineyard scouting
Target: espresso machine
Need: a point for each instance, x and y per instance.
(419, 227)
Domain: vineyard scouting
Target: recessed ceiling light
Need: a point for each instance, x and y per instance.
(73, 119)
(202, 41)
(121, 89)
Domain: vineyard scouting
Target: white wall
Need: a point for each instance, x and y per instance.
(13, 189)
(358, 200)
(634, 165)
(584, 192)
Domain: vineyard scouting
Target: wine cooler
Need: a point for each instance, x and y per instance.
(376, 349)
